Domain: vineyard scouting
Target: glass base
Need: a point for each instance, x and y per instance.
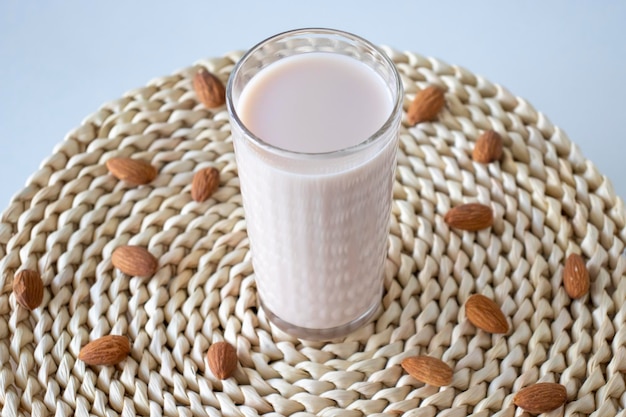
(322, 334)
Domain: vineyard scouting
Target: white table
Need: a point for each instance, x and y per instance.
(61, 60)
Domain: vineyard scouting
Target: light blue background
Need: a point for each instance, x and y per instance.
(61, 60)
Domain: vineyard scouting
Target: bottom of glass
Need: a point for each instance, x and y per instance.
(322, 334)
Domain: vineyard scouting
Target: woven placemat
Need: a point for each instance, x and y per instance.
(548, 200)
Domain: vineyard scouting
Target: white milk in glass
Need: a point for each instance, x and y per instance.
(318, 236)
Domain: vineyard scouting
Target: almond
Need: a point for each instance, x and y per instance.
(485, 314)
(471, 217)
(488, 147)
(205, 183)
(541, 397)
(428, 370)
(426, 105)
(209, 89)
(132, 171)
(134, 260)
(28, 288)
(107, 350)
(222, 359)
(575, 276)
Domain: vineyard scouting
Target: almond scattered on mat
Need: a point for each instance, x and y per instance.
(429, 370)
(107, 350)
(426, 105)
(132, 171)
(485, 314)
(205, 183)
(541, 397)
(28, 288)
(488, 147)
(209, 89)
(222, 359)
(134, 260)
(471, 217)
(575, 276)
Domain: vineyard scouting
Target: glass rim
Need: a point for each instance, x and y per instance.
(380, 132)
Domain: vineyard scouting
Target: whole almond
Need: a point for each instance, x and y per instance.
(205, 183)
(575, 276)
(132, 171)
(428, 370)
(488, 147)
(426, 105)
(222, 359)
(541, 397)
(485, 314)
(471, 217)
(134, 260)
(209, 89)
(107, 350)
(28, 288)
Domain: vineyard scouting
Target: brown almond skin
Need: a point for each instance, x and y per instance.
(540, 398)
(205, 183)
(132, 171)
(576, 276)
(134, 260)
(426, 105)
(107, 350)
(209, 89)
(488, 147)
(429, 370)
(471, 217)
(485, 314)
(222, 359)
(28, 288)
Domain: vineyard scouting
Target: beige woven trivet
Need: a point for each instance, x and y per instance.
(548, 201)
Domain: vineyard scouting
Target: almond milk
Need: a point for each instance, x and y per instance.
(316, 197)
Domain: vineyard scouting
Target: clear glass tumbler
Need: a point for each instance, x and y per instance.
(318, 221)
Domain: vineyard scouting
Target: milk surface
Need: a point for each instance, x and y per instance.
(318, 236)
(316, 102)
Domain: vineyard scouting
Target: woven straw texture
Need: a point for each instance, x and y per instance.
(548, 200)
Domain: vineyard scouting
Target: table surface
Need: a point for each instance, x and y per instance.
(61, 60)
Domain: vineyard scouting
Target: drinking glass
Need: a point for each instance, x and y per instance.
(318, 222)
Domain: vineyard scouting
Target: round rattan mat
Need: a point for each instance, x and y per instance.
(548, 201)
